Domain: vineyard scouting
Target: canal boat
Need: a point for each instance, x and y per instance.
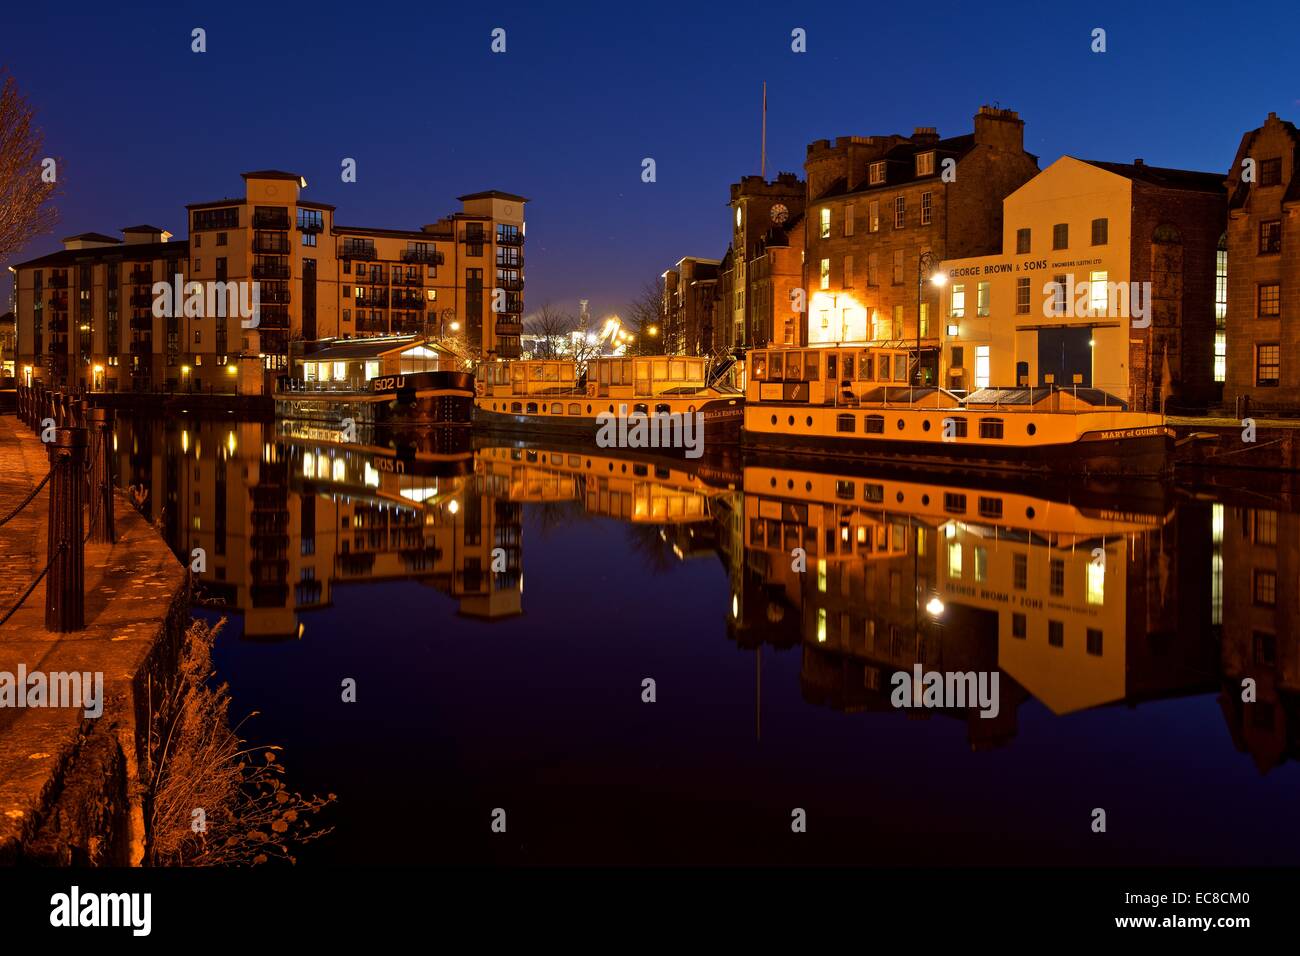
(551, 396)
(826, 401)
(390, 380)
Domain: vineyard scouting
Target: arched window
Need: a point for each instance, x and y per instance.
(1221, 310)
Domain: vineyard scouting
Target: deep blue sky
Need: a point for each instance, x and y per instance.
(584, 92)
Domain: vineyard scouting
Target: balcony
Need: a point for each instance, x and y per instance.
(58, 282)
(511, 285)
(405, 280)
(427, 256)
(142, 323)
(275, 297)
(311, 225)
(510, 239)
(59, 301)
(57, 326)
(141, 300)
(271, 219)
(408, 301)
(507, 261)
(270, 270)
(141, 276)
(143, 349)
(509, 327)
(372, 301)
(271, 245)
(474, 238)
(273, 317)
(357, 250)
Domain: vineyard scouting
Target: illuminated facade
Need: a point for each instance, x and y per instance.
(88, 314)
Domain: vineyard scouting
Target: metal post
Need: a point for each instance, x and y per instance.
(103, 529)
(65, 606)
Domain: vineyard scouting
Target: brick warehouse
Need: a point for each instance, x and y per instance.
(877, 203)
(1262, 324)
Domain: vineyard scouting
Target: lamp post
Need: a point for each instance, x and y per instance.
(927, 266)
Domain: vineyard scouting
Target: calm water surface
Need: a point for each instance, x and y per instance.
(500, 608)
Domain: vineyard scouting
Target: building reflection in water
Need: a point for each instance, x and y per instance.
(1079, 605)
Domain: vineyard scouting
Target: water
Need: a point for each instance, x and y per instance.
(514, 679)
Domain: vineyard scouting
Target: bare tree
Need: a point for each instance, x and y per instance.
(644, 318)
(552, 330)
(25, 193)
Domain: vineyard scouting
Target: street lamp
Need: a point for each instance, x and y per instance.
(927, 266)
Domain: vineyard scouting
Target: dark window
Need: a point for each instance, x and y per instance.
(845, 423)
(1264, 648)
(954, 428)
(875, 425)
(1022, 296)
(1057, 566)
(1270, 172)
(990, 507)
(954, 502)
(1100, 231)
(991, 428)
(1265, 588)
(1061, 236)
(1020, 572)
(1022, 241)
(1270, 237)
(1268, 358)
(871, 492)
(1056, 633)
(1019, 626)
(1094, 642)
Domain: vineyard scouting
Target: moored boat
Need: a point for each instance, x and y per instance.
(549, 396)
(811, 401)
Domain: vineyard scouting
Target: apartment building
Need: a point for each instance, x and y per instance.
(1262, 245)
(1106, 278)
(689, 289)
(879, 208)
(272, 268)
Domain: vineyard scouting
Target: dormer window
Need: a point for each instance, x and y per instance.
(876, 174)
(925, 163)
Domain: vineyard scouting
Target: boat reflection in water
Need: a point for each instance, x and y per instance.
(1098, 611)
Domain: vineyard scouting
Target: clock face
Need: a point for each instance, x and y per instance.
(780, 214)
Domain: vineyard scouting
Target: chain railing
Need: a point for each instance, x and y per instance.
(79, 440)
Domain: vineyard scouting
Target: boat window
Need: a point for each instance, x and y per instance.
(778, 366)
(602, 372)
(516, 407)
(844, 489)
(695, 370)
(990, 428)
(847, 374)
(641, 471)
(811, 364)
(954, 428)
(832, 367)
(557, 408)
(900, 368)
(794, 367)
(532, 408)
(642, 371)
(662, 409)
(660, 370)
(677, 371)
(517, 372)
(954, 502)
(990, 507)
(550, 372)
(640, 408)
(760, 366)
(575, 408)
(884, 366)
(845, 423)
(872, 492)
(875, 425)
(867, 368)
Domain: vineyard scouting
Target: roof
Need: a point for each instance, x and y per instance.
(493, 194)
(130, 229)
(121, 250)
(272, 174)
(380, 231)
(1163, 177)
(341, 349)
(91, 237)
(900, 164)
(1039, 393)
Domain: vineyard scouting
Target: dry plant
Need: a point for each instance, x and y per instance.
(248, 815)
(25, 210)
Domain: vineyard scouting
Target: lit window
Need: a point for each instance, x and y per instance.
(877, 173)
(1270, 301)
(1096, 582)
(957, 310)
(900, 212)
(1220, 357)
(925, 164)
(982, 299)
(826, 274)
(1098, 293)
(826, 223)
(873, 218)
(954, 560)
(981, 366)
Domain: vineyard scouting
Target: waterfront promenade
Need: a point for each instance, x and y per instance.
(68, 783)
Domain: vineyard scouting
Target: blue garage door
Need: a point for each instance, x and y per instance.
(1064, 354)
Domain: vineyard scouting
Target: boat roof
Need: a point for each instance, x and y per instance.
(1035, 395)
(896, 394)
(341, 349)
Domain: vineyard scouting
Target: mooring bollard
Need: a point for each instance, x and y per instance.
(65, 603)
(103, 529)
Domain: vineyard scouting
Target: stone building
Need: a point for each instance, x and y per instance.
(688, 306)
(1262, 327)
(877, 204)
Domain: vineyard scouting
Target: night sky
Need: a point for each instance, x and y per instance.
(583, 94)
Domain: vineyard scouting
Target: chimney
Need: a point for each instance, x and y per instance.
(1138, 162)
(925, 135)
(999, 128)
